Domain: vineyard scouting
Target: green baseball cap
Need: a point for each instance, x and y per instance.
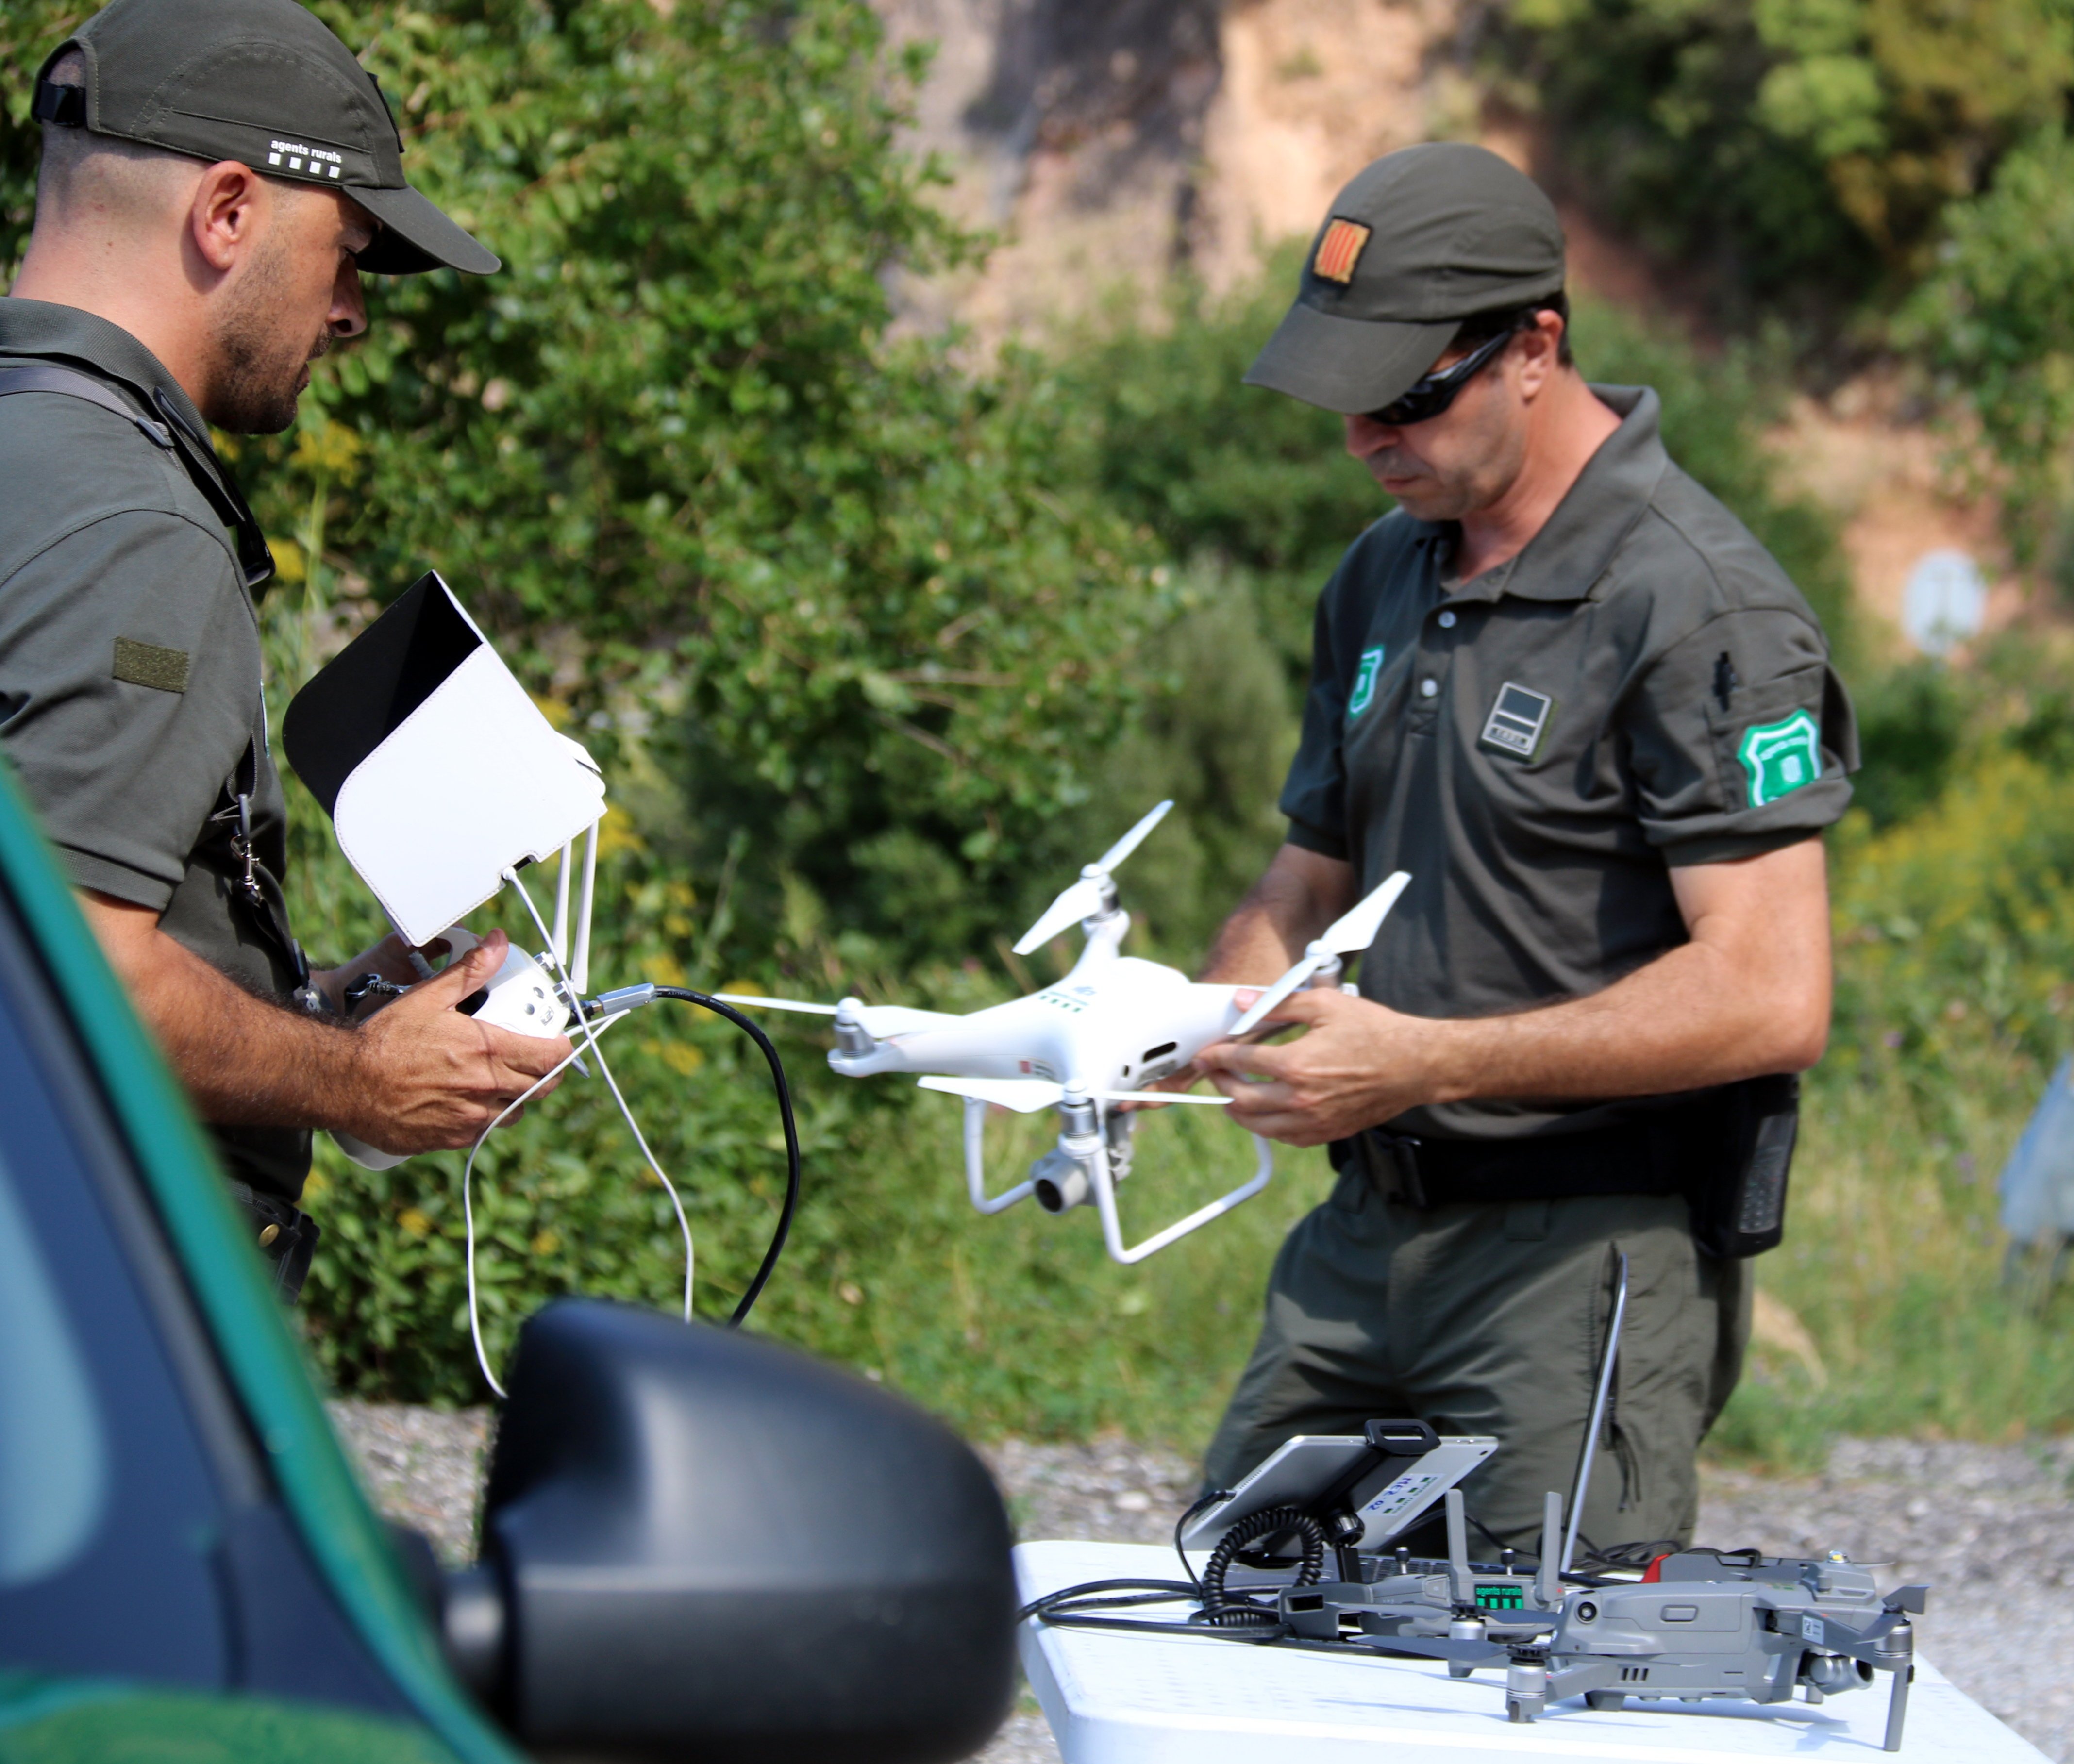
(1420, 240)
(265, 83)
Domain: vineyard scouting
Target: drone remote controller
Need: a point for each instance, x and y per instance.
(520, 997)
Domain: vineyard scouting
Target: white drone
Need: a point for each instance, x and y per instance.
(1114, 1021)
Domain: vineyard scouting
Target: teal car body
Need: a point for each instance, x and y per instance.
(138, 1323)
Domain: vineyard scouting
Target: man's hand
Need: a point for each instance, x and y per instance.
(1301, 893)
(431, 1078)
(1357, 1064)
(417, 1076)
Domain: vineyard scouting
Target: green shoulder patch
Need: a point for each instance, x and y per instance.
(1365, 680)
(151, 664)
(1781, 757)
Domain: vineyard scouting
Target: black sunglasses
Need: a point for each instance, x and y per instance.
(1426, 397)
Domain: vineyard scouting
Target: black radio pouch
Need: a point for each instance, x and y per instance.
(1738, 1194)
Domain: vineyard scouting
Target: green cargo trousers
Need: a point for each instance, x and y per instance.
(1491, 1318)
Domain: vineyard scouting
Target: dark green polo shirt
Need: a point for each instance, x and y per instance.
(1641, 687)
(130, 703)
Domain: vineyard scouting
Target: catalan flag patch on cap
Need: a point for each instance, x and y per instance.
(1340, 250)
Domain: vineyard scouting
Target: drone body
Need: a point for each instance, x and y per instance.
(1114, 1022)
(1732, 1624)
(1113, 1025)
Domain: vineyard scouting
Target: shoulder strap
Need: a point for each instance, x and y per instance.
(199, 458)
(44, 377)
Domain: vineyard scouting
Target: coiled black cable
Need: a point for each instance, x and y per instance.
(684, 995)
(1222, 1611)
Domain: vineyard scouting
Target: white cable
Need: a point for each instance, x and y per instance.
(467, 1209)
(633, 1126)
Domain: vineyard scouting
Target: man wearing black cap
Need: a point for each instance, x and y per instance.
(1569, 693)
(215, 175)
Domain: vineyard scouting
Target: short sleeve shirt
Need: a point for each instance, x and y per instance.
(130, 698)
(1640, 688)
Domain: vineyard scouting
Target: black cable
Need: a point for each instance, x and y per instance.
(1489, 1534)
(1181, 1525)
(1638, 1555)
(1135, 1592)
(1223, 1613)
(1236, 1618)
(684, 995)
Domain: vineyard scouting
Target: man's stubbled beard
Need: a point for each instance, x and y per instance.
(263, 364)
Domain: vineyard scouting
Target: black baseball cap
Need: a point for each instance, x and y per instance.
(1419, 241)
(266, 83)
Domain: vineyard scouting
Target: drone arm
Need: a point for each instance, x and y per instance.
(1112, 1228)
(1595, 1673)
(976, 1108)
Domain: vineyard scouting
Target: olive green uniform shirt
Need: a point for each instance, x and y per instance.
(130, 702)
(1640, 688)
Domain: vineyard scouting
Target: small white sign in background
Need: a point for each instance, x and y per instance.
(1945, 603)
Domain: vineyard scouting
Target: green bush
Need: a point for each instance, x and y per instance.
(1795, 149)
(1996, 324)
(1911, 720)
(823, 581)
(1955, 953)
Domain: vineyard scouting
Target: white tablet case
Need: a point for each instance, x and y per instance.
(438, 771)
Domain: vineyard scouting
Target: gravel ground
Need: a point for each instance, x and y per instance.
(1990, 1528)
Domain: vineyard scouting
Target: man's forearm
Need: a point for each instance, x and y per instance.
(1687, 1020)
(245, 1062)
(419, 1074)
(1298, 896)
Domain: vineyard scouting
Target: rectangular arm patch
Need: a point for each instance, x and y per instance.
(149, 664)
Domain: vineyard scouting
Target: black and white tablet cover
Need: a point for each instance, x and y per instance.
(438, 771)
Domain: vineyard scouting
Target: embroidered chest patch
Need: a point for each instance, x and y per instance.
(1516, 721)
(1365, 678)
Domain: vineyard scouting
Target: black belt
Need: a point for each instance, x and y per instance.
(286, 1238)
(1728, 1152)
(1651, 1157)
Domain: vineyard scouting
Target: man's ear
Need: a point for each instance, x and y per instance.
(1540, 348)
(232, 205)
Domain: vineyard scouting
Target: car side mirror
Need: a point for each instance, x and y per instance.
(698, 1543)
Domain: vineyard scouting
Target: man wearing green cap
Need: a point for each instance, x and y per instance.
(215, 175)
(1568, 691)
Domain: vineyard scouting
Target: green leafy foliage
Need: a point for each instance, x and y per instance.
(1911, 721)
(1954, 944)
(672, 457)
(1797, 149)
(1996, 321)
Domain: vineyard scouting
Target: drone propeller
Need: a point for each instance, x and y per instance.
(1085, 899)
(1436, 1648)
(1026, 1095)
(1348, 936)
(878, 1021)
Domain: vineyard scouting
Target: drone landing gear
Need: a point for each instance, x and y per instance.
(976, 1109)
(1093, 1155)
